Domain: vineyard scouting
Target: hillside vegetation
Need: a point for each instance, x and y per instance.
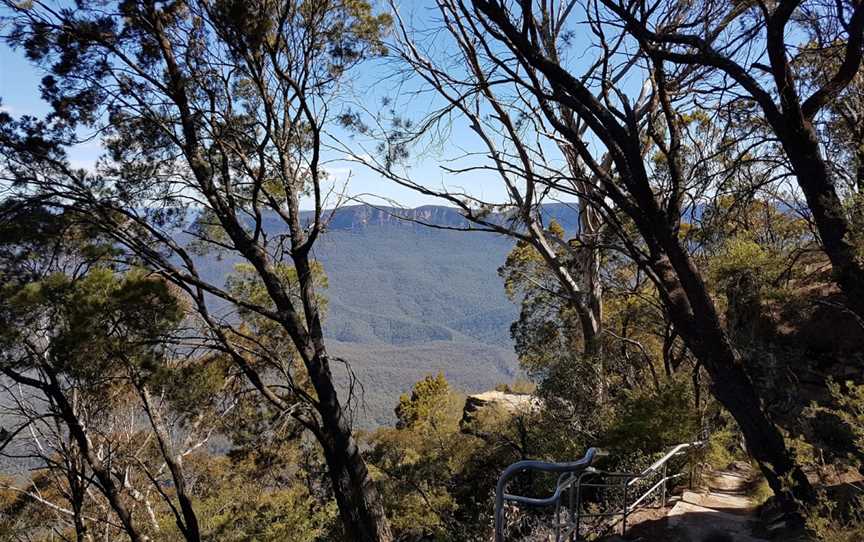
(406, 299)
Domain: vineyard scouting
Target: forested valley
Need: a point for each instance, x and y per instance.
(644, 227)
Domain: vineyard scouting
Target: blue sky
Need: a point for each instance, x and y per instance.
(19, 92)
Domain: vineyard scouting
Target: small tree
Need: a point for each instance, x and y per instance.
(85, 339)
(213, 113)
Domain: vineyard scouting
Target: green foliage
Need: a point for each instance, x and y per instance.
(192, 386)
(246, 284)
(849, 400)
(270, 492)
(840, 421)
(762, 493)
(723, 448)
(94, 322)
(419, 461)
(828, 522)
(523, 262)
(855, 208)
(741, 255)
(755, 239)
(426, 405)
(101, 323)
(548, 328)
(650, 422)
(268, 345)
(248, 514)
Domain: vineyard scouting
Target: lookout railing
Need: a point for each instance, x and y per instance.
(577, 478)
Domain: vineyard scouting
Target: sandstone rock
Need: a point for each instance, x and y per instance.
(512, 403)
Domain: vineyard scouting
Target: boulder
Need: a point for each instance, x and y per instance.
(512, 403)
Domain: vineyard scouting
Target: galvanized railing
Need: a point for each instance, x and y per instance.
(578, 475)
(567, 471)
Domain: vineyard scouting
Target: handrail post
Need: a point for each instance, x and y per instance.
(578, 504)
(665, 482)
(529, 465)
(624, 521)
(573, 481)
(558, 520)
(695, 466)
(499, 505)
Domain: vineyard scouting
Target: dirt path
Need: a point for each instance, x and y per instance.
(722, 512)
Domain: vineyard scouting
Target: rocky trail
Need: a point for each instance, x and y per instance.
(723, 511)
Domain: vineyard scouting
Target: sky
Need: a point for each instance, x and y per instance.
(19, 93)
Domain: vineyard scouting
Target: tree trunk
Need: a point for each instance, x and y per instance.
(584, 293)
(359, 503)
(695, 316)
(77, 491)
(802, 147)
(593, 294)
(683, 292)
(188, 524)
(858, 204)
(859, 171)
(588, 254)
(109, 488)
(78, 519)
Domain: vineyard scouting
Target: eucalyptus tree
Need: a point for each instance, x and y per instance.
(213, 115)
(79, 339)
(653, 199)
(644, 161)
(512, 142)
(787, 64)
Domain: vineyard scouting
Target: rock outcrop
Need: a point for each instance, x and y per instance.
(511, 403)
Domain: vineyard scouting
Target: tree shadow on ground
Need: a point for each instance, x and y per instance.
(659, 530)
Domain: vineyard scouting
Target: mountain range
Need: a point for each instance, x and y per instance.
(407, 298)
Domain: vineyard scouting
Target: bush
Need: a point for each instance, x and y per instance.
(833, 522)
(651, 421)
(841, 422)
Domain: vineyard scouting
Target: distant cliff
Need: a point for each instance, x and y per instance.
(361, 216)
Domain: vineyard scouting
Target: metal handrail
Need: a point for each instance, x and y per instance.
(677, 450)
(572, 475)
(628, 509)
(542, 466)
